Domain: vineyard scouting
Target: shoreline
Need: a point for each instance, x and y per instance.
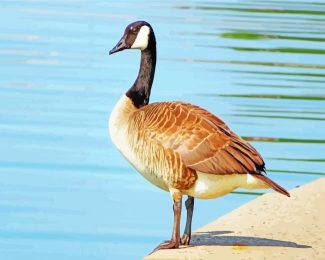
(270, 227)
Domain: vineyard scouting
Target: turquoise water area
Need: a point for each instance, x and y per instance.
(65, 191)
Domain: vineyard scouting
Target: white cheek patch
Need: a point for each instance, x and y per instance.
(141, 42)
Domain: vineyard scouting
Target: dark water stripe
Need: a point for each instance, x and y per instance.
(295, 74)
(279, 50)
(259, 63)
(320, 160)
(290, 29)
(282, 111)
(247, 193)
(271, 50)
(277, 86)
(282, 4)
(245, 35)
(272, 96)
(266, 79)
(288, 2)
(254, 10)
(272, 106)
(250, 63)
(297, 172)
(279, 117)
(282, 140)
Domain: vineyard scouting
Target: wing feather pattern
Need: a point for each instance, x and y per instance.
(203, 141)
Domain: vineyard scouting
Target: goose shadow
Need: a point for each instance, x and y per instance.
(216, 238)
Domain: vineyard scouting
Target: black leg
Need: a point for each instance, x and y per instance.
(189, 203)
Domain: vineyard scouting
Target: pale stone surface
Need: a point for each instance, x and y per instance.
(270, 227)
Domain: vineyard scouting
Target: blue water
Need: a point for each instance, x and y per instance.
(66, 193)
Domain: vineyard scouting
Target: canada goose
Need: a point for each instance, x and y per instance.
(179, 147)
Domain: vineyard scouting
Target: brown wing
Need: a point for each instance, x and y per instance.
(204, 141)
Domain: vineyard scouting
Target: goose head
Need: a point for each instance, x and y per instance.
(137, 35)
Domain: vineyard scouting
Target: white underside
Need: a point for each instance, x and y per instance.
(207, 186)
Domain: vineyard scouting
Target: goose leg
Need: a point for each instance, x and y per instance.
(189, 203)
(175, 241)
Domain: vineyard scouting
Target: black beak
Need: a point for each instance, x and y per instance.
(120, 46)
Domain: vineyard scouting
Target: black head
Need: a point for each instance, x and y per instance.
(137, 35)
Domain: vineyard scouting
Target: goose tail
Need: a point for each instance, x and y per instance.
(272, 184)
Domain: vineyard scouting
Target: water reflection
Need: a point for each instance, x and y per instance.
(262, 36)
(66, 192)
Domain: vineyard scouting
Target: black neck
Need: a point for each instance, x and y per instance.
(139, 93)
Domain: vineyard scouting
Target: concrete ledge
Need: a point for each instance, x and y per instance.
(269, 227)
